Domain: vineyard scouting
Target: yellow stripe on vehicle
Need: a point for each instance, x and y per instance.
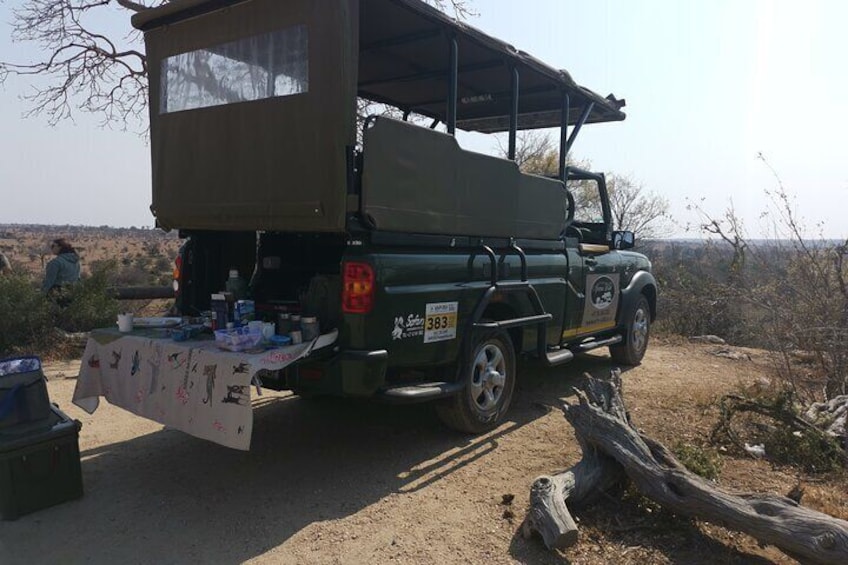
(587, 329)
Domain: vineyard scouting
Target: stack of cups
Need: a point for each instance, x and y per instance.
(125, 322)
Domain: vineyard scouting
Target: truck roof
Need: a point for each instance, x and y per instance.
(402, 61)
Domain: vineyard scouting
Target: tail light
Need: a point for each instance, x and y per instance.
(358, 290)
(178, 265)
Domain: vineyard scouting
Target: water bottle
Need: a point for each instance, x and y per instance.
(236, 285)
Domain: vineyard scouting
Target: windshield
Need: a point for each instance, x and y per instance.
(262, 66)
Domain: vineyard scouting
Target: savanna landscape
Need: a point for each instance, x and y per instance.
(334, 481)
(741, 399)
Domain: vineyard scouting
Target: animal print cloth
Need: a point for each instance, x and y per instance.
(190, 386)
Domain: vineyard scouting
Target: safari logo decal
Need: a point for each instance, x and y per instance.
(409, 326)
(438, 324)
(601, 300)
(602, 293)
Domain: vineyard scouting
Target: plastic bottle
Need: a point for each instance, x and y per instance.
(236, 285)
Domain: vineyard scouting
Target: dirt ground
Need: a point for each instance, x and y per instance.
(330, 481)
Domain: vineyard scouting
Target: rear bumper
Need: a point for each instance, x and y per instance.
(362, 373)
(343, 373)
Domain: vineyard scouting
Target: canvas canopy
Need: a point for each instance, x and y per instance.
(252, 102)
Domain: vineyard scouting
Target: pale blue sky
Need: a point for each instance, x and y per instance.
(708, 85)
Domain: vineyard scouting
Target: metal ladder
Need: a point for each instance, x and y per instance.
(539, 318)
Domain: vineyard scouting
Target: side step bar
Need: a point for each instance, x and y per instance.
(564, 355)
(603, 343)
(558, 357)
(419, 392)
(422, 392)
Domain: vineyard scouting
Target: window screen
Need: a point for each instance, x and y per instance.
(263, 66)
(587, 201)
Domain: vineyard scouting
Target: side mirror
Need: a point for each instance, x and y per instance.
(623, 239)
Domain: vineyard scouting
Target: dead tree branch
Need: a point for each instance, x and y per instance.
(601, 423)
(86, 68)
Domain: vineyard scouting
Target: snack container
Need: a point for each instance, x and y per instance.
(238, 339)
(310, 328)
(280, 340)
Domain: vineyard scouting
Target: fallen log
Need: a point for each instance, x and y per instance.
(611, 446)
(141, 292)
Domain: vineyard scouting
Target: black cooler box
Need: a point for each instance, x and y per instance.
(39, 444)
(39, 465)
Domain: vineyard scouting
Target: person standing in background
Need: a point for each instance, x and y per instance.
(5, 265)
(62, 270)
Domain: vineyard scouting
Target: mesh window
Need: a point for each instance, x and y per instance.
(263, 66)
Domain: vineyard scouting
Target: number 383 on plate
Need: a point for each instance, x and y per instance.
(440, 321)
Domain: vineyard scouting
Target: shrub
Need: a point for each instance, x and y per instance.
(791, 293)
(90, 306)
(703, 462)
(26, 316)
(813, 452)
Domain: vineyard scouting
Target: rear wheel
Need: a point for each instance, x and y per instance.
(637, 332)
(489, 375)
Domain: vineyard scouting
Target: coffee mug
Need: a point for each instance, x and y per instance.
(125, 322)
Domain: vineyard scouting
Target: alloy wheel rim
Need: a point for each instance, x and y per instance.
(640, 329)
(488, 378)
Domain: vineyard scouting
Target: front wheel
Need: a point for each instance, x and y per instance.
(637, 332)
(489, 374)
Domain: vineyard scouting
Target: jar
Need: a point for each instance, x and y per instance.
(284, 325)
(236, 285)
(296, 337)
(309, 327)
(295, 322)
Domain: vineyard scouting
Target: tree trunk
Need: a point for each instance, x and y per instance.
(603, 428)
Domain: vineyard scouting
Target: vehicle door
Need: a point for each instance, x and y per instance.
(594, 277)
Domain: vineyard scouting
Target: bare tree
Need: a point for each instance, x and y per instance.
(86, 68)
(792, 289)
(534, 153)
(633, 208)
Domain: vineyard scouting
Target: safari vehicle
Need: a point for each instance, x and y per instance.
(439, 266)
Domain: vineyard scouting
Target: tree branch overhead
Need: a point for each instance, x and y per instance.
(85, 68)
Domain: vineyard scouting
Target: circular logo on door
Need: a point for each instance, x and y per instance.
(602, 293)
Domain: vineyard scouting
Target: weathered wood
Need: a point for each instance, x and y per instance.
(141, 292)
(601, 423)
(549, 515)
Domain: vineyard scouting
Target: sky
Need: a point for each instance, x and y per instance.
(709, 84)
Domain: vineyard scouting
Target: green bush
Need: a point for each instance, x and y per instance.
(703, 462)
(26, 316)
(813, 452)
(90, 305)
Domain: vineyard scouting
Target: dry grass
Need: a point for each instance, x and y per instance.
(28, 246)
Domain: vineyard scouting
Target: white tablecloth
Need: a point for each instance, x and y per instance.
(192, 386)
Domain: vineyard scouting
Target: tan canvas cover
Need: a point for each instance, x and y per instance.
(275, 163)
(419, 180)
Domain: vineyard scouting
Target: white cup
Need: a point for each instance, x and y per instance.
(125, 322)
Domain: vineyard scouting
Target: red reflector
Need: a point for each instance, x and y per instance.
(358, 291)
(178, 266)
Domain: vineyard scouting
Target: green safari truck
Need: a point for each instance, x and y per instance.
(439, 267)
